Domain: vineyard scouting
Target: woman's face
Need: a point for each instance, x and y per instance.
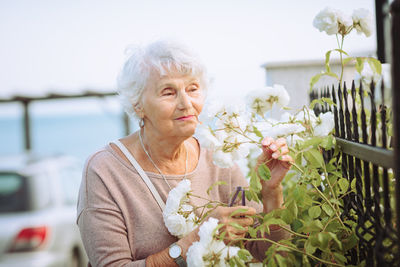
(172, 103)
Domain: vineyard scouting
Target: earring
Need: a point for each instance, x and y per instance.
(141, 123)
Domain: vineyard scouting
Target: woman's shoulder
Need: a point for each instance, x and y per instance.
(99, 157)
(102, 160)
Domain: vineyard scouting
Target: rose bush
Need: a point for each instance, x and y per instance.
(314, 187)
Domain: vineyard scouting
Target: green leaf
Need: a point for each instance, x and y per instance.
(237, 226)
(353, 184)
(244, 254)
(317, 224)
(263, 172)
(257, 132)
(219, 226)
(237, 212)
(281, 260)
(328, 101)
(305, 262)
(315, 79)
(315, 141)
(323, 239)
(343, 184)
(350, 242)
(327, 208)
(347, 60)
(359, 64)
(310, 249)
(287, 216)
(328, 142)
(314, 157)
(215, 184)
(255, 184)
(252, 232)
(334, 237)
(327, 57)
(293, 209)
(375, 65)
(239, 262)
(341, 51)
(271, 263)
(340, 258)
(314, 212)
(334, 75)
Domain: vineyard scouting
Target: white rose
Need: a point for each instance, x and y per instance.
(326, 20)
(194, 255)
(345, 22)
(325, 124)
(241, 152)
(175, 197)
(282, 95)
(209, 251)
(206, 138)
(285, 129)
(176, 225)
(287, 117)
(291, 140)
(308, 116)
(206, 230)
(256, 101)
(262, 100)
(222, 159)
(362, 21)
(228, 253)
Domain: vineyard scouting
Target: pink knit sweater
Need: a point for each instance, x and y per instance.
(121, 223)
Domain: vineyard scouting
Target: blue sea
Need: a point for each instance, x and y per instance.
(76, 135)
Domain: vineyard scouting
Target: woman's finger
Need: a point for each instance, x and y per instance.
(246, 221)
(287, 158)
(275, 145)
(280, 152)
(267, 141)
(244, 211)
(280, 142)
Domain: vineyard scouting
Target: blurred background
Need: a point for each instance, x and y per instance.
(67, 48)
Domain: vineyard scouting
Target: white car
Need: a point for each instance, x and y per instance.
(38, 212)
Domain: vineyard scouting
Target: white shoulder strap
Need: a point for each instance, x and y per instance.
(142, 174)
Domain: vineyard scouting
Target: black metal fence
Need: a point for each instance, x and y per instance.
(364, 138)
(368, 137)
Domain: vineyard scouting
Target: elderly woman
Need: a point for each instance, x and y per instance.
(119, 215)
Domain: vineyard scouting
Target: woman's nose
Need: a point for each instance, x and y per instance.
(184, 101)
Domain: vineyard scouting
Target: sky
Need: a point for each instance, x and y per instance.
(69, 46)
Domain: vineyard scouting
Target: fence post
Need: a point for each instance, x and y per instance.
(380, 29)
(395, 10)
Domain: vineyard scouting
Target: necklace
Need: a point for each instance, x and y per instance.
(151, 160)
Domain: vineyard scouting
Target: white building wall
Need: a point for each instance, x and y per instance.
(296, 76)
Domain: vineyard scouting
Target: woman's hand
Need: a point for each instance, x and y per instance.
(275, 156)
(223, 214)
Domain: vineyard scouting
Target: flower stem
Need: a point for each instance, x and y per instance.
(330, 204)
(341, 60)
(291, 248)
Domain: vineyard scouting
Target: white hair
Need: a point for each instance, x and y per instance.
(163, 56)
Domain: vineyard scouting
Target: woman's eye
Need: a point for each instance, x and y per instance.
(167, 92)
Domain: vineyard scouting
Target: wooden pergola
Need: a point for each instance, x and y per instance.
(27, 100)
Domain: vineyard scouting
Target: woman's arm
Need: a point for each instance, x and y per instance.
(272, 195)
(105, 239)
(275, 156)
(162, 258)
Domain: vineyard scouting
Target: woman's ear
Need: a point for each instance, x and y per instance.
(139, 110)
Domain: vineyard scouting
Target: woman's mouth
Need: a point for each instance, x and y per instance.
(184, 118)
